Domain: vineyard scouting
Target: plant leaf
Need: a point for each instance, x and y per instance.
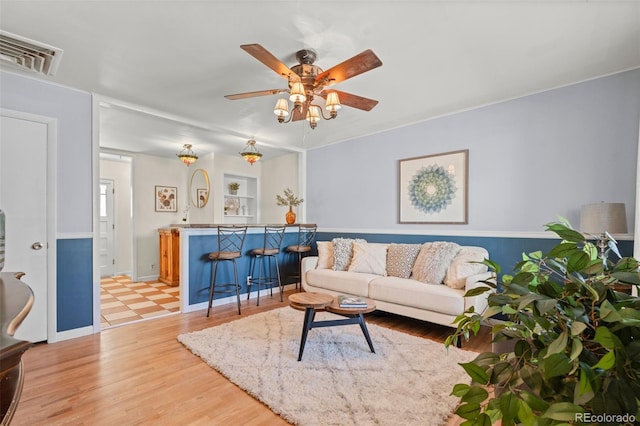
(509, 407)
(583, 392)
(578, 261)
(606, 338)
(556, 365)
(475, 394)
(481, 420)
(564, 411)
(460, 389)
(627, 277)
(608, 312)
(468, 411)
(525, 414)
(502, 372)
(476, 291)
(607, 361)
(534, 401)
(558, 345)
(577, 327)
(476, 372)
(565, 233)
(576, 349)
(563, 250)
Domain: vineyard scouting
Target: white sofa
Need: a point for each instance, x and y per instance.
(435, 302)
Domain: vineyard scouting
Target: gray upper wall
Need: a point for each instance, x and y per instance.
(72, 110)
(531, 160)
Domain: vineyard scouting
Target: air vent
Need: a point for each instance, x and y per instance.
(28, 54)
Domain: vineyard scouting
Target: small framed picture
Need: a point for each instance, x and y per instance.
(166, 198)
(434, 188)
(203, 196)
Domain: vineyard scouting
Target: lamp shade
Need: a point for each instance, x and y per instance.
(333, 102)
(282, 108)
(297, 93)
(597, 218)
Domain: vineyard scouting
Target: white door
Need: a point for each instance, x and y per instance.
(23, 197)
(107, 229)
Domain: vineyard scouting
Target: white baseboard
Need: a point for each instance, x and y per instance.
(71, 334)
(243, 296)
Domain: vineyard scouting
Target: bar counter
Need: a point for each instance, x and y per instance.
(198, 240)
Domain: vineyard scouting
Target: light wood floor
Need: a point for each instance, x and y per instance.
(140, 374)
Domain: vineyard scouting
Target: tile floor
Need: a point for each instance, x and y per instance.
(123, 301)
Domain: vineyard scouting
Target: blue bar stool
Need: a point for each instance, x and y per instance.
(306, 238)
(268, 253)
(230, 242)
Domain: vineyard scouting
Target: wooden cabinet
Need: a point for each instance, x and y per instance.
(169, 256)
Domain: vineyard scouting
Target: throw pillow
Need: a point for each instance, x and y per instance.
(461, 266)
(325, 255)
(369, 258)
(342, 252)
(400, 259)
(433, 261)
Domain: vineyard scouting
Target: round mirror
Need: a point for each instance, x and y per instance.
(199, 188)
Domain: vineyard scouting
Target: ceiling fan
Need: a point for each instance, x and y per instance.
(306, 81)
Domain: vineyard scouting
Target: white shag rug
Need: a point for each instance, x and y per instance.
(339, 381)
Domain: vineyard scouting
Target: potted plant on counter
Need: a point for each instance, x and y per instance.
(290, 200)
(574, 353)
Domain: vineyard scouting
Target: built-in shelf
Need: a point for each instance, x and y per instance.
(241, 207)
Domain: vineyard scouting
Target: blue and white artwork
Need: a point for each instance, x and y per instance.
(433, 188)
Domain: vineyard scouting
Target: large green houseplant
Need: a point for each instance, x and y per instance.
(575, 339)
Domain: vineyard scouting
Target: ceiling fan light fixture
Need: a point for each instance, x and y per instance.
(187, 156)
(281, 109)
(297, 93)
(333, 102)
(307, 80)
(251, 153)
(313, 115)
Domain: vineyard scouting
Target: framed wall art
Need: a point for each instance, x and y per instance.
(434, 188)
(203, 196)
(166, 199)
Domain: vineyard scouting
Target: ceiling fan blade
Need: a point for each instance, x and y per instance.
(264, 56)
(254, 94)
(362, 62)
(354, 101)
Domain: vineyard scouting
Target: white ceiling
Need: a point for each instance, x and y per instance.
(177, 60)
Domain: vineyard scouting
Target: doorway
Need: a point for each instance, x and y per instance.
(107, 229)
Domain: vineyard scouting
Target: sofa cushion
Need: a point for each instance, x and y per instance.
(325, 255)
(433, 261)
(461, 268)
(342, 252)
(369, 258)
(431, 297)
(400, 259)
(340, 281)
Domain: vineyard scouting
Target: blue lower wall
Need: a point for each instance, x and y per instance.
(507, 252)
(200, 266)
(75, 283)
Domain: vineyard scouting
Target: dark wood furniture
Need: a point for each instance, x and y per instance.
(310, 303)
(16, 300)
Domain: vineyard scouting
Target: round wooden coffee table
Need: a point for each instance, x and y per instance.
(310, 303)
